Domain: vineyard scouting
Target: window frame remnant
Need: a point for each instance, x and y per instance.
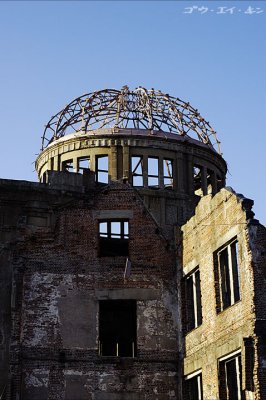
(168, 173)
(118, 328)
(113, 237)
(68, 165)
(197, 179)
(153, 175)
(80, 166)
(193, 386)
(102, 174)
(230, 377)
(193, 300)
(226, 261)
(135, 172)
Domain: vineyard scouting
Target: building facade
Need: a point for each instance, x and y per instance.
(130, 271)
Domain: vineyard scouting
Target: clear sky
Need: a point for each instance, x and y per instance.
(210, 53)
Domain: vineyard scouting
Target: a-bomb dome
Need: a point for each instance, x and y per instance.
(136, 109)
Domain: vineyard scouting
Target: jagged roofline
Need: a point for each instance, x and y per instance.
(137, 109)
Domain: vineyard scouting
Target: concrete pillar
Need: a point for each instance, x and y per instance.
(160, 171)
(204, 183)
(189, 175)
(178, 173)
(214, 182)
(145, 171)
(112, 163)
(75, 164)
(56, 163)
(126, 162)
(93, 162)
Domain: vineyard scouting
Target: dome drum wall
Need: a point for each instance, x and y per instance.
(161, 145)
(160, 165)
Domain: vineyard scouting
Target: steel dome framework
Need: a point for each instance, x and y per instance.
(137, 109)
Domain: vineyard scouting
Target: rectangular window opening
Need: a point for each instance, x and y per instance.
(193, 300)
(113, 238)
(230, 378)
(102, 169)
(67, 165)
(193, 387)
(153, 172)
(168, 173)
(83, 164)
(226, 260)
(137, 170)
(118, 328)
(197, 178)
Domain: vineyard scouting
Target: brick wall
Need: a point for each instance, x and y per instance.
(217, 221)
(61, 278)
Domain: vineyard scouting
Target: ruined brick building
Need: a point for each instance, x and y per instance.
(130, 272)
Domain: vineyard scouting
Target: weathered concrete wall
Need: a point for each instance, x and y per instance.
(61, 278)
(218, 220)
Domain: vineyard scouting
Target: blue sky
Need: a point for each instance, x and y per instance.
(54, 51)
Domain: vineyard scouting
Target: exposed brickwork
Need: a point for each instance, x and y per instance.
(53, 279)
(217, 221)
(58, 275)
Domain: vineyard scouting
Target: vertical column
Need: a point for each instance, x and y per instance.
(204, 183)
(113, 163)
(189, 175)
(213, 182)
(93, 162)
(126, 162)
(161, 172)
(75, 164)
(119, 155)
(145, 171)
(56, 163)
(178, 173)
(50, 165)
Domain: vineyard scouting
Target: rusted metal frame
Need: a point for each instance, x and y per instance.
(140, 108)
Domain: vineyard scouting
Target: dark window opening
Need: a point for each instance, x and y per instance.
(197, 178)
(193, 388)
(193, 301)
(102, 169)
(118, 328)
(168, 173)
(67, 165)
(83, 164)
(44, 178)
(137, 170)
(229, 290)
(153, 172)
(113, 238)
(230, 377)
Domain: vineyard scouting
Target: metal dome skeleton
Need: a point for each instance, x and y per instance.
(137, 109)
